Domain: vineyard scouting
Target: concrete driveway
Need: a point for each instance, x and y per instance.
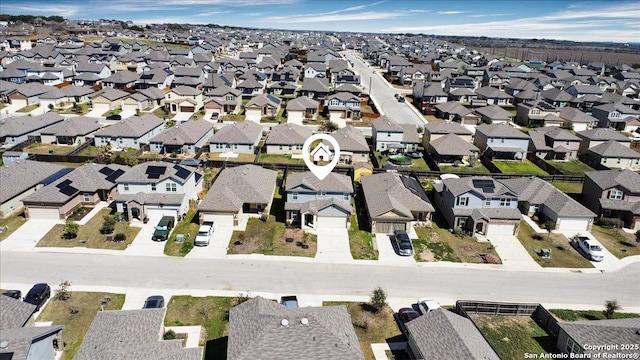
(27, 236)
(134, 298)
(95, 113)
(513, 255)
(142, 245)
(181, 117)
(388, 252)
(333, 246)
(610, 262)
(217, 248)
(127, 113)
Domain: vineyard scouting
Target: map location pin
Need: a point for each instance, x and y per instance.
(321, 152)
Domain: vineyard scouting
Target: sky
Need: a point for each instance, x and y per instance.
(608, 20)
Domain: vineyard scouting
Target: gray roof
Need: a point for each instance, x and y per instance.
(256, 332)
(609, 178)
(21, 339)
(21, 175)
(14, 313)
(151, 198)
(263, 100)
(454, 145)
(465, 184)
(17, 126)
(315, 85)
(603, 134)
(245, 132)
(147, 173)
(615, 331)
(494, 112)
(132, 127)
(131, 334)
(351, 139)
(33, 89)
(111, 94)
(491, 92)
(188, 132)
(613, 149)
(302, 103)
(500, 130)
(446, 128)
(122, 77)
(237, 186)
(410, 134)
(332, 183)
(73, 126)
(384, 123)
(186, 91)
(536, 191)
(442, 334)
(452, 108)
(288, 134)
(70, 91)
(387, 192)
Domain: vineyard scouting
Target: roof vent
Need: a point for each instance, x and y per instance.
(304, 321)
(284, 323)
(4, 344)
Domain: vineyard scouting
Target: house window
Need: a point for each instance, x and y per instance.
(322, 193)
(615, 195)
(126, 187)
(462, 222)
(618, 161)
(573, 347)
(535, 111)
(153, 187)
(345, 196)
(135, 141)
(120, 140)
(388, 134)
(280, 147)
(86, 197)
(171, 187)
(505, 202)
(290, 147)
(229, 97)
(235, 146)
(294, 195)
(462, 201)
(604, 160)
(614, 115)
(501, 140)
(487, 202)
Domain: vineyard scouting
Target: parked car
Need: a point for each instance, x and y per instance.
(404, 316)
(16, 294)
(427, 305)
(404, 243)
(204, 234)
(414, 154)
(163, 229)
(38, 295)
(290, 301)
(114, 117)
(591, 248)
(154, 302)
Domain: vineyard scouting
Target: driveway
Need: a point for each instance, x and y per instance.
(333, 246)
(134, 298)
(512, 253)
(95, 113)
(388, 252)
(142, 245)
(610, 262)
(127, 113)
(27, 236)
(181, 117)
(217, 248)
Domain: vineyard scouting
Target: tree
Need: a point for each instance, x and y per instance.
(108, 225)
(378, 298)
(328, 126)
(637, 237)
(120, 237)
(63, 292)
(610, 308)
(549, 225)
(71, 229)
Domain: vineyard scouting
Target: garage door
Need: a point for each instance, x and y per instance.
(101, 107)
(43, 213)
(332, 222)
(132, 107)
(500, 229)
(19, 102)
(221, 220)
(188, 109)
(159, 213)
(389, 227)
(573, 224)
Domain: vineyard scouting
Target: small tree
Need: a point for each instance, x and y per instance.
(50, 107)
(63, 292)
(109, 224)
(378, 298)
(637, 237)
(610, 308)
(71, 229)
(549, 225)
(328, 126)
(120, 237)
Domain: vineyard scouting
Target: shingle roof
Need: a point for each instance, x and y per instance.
(442, 334)
(188, 132)
(465, 184)
(18, 176)
(14, 313)
(315, 84)
(238, 185)
(288, 134)
(603, 134)
(110, 94)
(132, 127)
(613, 149)
(501, 130)
(17, 126)
(155, 172)
(609, 178)
(494, 112)
(615, 331)
(186, 91)
(74, 126)
(453, 108)
(263, 100)
(245, 132)
(256, 332)
(302, 103)
(394, 192)
(446, 128)
(351, 139)
(332, 183)
(453, 145)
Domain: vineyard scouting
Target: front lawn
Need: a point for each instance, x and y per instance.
(115, 111)
(371, 328)
(360, 241)
(11, 224)
(238, 158)
(81, 109)
(477, 168)
(568, 187)
(573, 167)
(40, 148)
(279, 159)
(159, 112)
(519, 167)
(562, 253)
(85, 305)
(579, 315)
(618, 242)
(189, 228)
(271, 238)
(28, 108)
(210, 312)
(89, 235)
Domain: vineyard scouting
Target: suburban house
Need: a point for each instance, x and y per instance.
(537, 197)
(395, 202)
(251, 87)
(184, 99)
(242, 137)
(107, 99)
(28, 94)
(494, 114)
(392, 137)
(223, 100)
(134, 334)
(236, 195)
(85, 186)
(72, 131)
(21, 339)
(65, 97)
(22, 178)
(315, 70)
(452, 111)
(427, 95)
(614, 194)
(554, 143)
(343, 105)
(494, 96)
(185, 138)
(612, 155)
(263, 329)
(287, 139)
(264, 105)
(501, 141)
(556, 97)
(15, 130)
(154, 189)
(615, 115)
(452, 149)
(578, 120)
(353, 145)
(302, 108)
(314, 203)
(575, 336)
(479, 205)
(538, 114)
(130, 132)
(598, 136)
(435, 130)
(443, 334)
(315, 88)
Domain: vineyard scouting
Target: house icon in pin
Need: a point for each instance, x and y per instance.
(321, 153)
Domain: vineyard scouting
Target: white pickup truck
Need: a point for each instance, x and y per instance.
(204, 234)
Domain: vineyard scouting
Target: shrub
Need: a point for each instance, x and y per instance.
(169, 335)
(71, 229)
(536, 236)
(610, 308)
(108, 225)
(457, 231)
(378, 298)
(609, 223)
(120, 237)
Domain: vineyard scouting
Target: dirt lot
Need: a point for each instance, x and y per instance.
(587, 56)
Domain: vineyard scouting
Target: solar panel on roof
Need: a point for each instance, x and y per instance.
(181, 172)
(68, 190)
(64, 184)
(153, 176)
(160, 170)
(106, 171)
(114, 175)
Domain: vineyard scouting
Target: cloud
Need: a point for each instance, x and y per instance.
(212, 13)
(42, 9)
(487, 15)
(451, 12)
(230, 2)
(370, 15)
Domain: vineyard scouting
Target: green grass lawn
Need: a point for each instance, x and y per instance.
(477, 168)
(519, 167)
(513, 336)
(619, 243)
(28, 108)
(76, 325)
(371, 328)
(279, 158)
(82, 109)
(115, 111)
(416, 164)
(159, 112)
(579, 315)
(562, 253)
(189, 227)
(568, 187)
(239, 158)
(269, 238)
(12, 223)
(573, 167)
(361, 242)
(210, 312)
(89, 235)
(90, 151)
(40, 148)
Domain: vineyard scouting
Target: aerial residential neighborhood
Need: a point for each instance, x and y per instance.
(161, 198)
